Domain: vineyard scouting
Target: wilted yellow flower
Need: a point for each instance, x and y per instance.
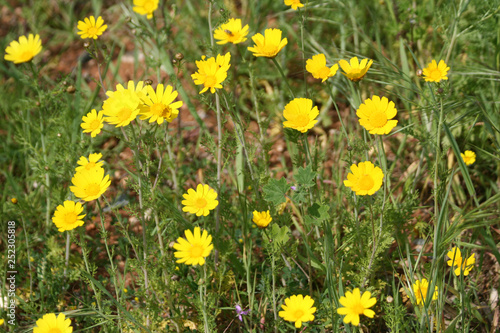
(49, 323)
(231, 32)
(211, 72)
(317, 67)
(436, 72)
(262, 219)
(420, 289)
(365, 178)
(90, 163)
(90, 184)
(91, 28)
(355, 305)
(354, 70)
(300, 114)
(160, 105)
(23, 50)
(268, 46)
(66, 216)
(195, 249)
(462, 264)
(145, 7)
(298, 309)
(468, 156)
(92, 123)
(201, 201)
(375, 115)
(294, 3)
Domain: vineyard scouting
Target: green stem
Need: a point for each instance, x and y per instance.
(283, 76)
(203, 299)
(344, 131)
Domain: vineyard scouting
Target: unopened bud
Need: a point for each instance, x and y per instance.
(71, 90)
(440, 90)
(148, 82)
(419, 72)
(104, 47)
(174, 61)
(86, 45)
(179, 56)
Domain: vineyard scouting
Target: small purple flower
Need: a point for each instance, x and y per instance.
(293, 187)
(240, 312)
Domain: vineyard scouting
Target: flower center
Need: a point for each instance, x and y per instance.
(302, 120)
(323, 72)
(95, 124)
(92, 31)
(298, 314)
(149, 5)
(210, 81)
(196, 251)
(201, 203)
(158, 109)
(54, 330)
(167, 112)
(435, 74)
(26, 56)
(124, 114)
(70, 217)
(92, 189)
(358, 308)
(366, 182)
(378, 119)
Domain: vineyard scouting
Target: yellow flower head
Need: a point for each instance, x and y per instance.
(212, 72)
(231, 32)
(160, 105)
(300, 114)
(140, 89)
(49, 323)
(365, 178)
(24, 50)
(436, 72)
(123, 105)
(66, 216)
(355, 304)
(145, 7)
(294, 3)
(92, 123)
(90, 184)
(420, 290)
(354, 70)
(462, 264)
(89, 164)
(298, 309)
(268, 46)
(469, 157)
(375, 115)
(261, 219)
(91, 28)
(317, 67)
(195, 249)
(201, 201)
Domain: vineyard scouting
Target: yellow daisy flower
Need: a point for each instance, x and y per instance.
(49, 323)
(195, 249)
(23, 50)
(145, 7)
(121, 107)
(300, 114)
(231, 32)
(468, 156)
(355, 304)
(91, 28)
(212, 72)
(201, 201)
(465, 265)
(66, 216)
(92, 123)
(365, 178)
(354, 70)
(2, 321)
(90, 163)
(436, 72)
(261, 219)
(268, 46)
(317, 67)
(375, 115)
(420, 289)
(90, 184)
(160, 106)
(298, 309)
(294, 3)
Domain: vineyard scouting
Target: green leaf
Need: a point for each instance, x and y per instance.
(317, 213)
(305, 176)
(278, 235)
(275, 191)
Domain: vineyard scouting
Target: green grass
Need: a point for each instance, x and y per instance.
(121, 274)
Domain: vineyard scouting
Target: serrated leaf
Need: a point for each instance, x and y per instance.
(317, 213)
(278, 235)
(275, 190)
(305, 176)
